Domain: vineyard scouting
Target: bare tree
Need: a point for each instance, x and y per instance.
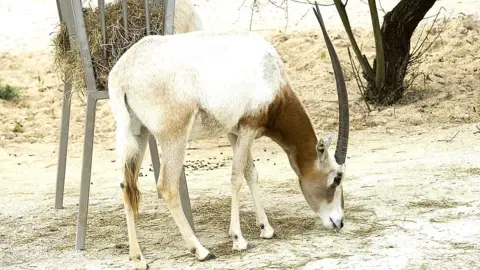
(386, 79)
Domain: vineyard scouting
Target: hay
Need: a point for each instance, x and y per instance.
(435, 204)
(68, 61)
(213, 214)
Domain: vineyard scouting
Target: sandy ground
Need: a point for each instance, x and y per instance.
(413, 186)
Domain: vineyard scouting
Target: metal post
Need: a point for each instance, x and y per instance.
(63, 148)
(59, 10)
(147, 18)
(64, 14)
(124, 14)
(152, 145)
(185, 199)
(86, 172)
(82, 41)
(168, 16)
(89, 123)
(101, 7)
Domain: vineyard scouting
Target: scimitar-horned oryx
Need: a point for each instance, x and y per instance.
(202, 85)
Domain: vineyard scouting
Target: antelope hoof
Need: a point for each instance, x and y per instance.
(267, 232)
(239, 243)
(202, 254)
(210, 256)
(139, 262)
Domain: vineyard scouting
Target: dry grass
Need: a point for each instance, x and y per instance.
(105, 55)
(368, 229)
(443, 219)
(214, 214)
(438, 204)
(358, 213)
(462, 171)
(463, 245)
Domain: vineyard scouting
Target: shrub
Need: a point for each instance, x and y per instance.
(8, 92)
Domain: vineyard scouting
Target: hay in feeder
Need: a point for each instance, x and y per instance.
(104, 56)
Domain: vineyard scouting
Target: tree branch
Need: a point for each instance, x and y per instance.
(367, 69)
(380, 56)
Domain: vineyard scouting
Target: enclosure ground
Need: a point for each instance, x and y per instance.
(412, 201)
(413, 182)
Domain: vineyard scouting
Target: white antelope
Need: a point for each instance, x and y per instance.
(202, 85)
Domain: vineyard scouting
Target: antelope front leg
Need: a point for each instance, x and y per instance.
(241, 150)
(239, 243)
(251, 176)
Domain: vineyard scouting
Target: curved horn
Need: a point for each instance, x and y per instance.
(343, 127)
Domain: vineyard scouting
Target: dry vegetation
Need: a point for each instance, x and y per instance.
(8, 92)
(117, 41)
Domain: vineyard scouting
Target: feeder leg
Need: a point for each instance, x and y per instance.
(62, 152)
(155, 158)
(86, 172)
(185, 199)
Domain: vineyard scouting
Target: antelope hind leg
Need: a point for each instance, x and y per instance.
(131, 155)
(173, 152)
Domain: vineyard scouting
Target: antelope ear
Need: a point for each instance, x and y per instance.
(323, 144)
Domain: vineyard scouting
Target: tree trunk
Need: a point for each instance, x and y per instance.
(397, 30)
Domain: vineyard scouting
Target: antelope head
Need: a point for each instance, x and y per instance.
(323, 191)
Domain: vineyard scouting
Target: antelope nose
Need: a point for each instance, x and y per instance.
(337, 224)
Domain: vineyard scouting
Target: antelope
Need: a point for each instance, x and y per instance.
(199, 85)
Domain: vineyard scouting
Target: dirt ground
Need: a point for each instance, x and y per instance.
(413, 180)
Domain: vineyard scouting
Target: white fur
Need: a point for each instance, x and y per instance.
(197, 67)
(332, 212)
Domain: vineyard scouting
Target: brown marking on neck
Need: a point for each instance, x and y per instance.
(287, 123)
